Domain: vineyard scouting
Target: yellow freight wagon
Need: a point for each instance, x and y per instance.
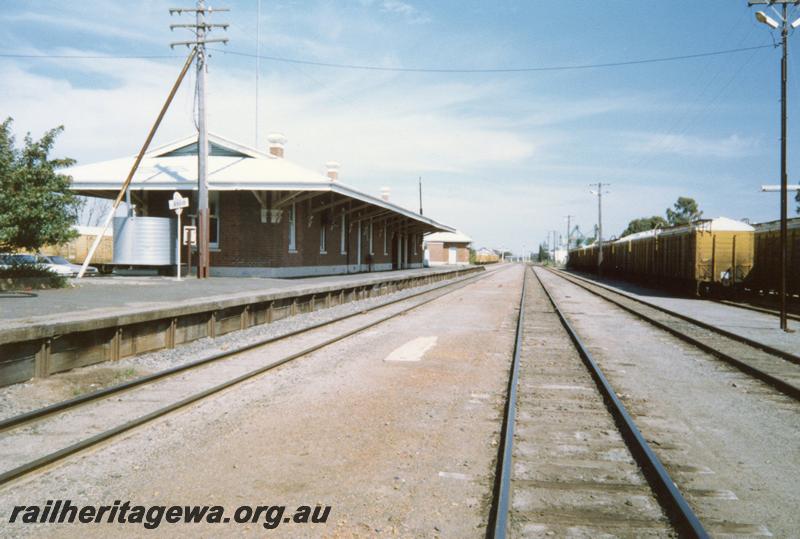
(700, 257)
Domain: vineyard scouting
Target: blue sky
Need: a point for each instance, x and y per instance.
(503, 156)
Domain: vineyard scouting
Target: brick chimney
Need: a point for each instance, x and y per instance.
(332, 168)
(277, 142)
(385, 193)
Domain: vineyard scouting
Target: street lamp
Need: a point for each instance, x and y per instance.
(766, 19)
(784, 26)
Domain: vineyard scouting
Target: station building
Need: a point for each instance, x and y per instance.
(269, 217)
(448, 247)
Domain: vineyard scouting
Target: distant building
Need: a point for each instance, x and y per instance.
(269, 217)
(447, 248)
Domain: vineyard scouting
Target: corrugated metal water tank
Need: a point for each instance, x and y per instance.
(144, 241)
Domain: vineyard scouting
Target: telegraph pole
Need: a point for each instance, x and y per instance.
(200, 29)
(599, 194)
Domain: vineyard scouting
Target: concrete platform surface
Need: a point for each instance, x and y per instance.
(112, 295)
(760, 327)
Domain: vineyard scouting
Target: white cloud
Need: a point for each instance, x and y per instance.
(732, 146)
(105, 28)
(398, 7)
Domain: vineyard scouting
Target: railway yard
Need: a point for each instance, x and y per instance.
(519, 401)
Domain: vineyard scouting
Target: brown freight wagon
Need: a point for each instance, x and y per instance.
(765, 277)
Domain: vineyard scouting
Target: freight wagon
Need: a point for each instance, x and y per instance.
(699, 258)
(765, 277)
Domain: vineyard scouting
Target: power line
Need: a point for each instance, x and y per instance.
(89, 56)
(574, 67)
(365, 67)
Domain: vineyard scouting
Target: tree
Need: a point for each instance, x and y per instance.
(645, 223)
(36, 204)
(544, 252)
(685, 211)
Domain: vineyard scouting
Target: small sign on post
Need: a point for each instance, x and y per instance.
(177, 203)
(190, 235)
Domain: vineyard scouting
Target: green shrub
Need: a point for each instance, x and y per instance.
(23, 275)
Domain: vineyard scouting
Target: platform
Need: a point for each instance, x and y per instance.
(106, 318)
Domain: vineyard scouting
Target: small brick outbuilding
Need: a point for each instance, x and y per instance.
(450, 248)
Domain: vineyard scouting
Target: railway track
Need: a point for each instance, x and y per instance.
(45, 436)
(777, 368)
(572, 461)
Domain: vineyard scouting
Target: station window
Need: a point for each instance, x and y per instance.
(293, 228)
(385, 240)
(343, 234)
(213, 218)
(323, 243)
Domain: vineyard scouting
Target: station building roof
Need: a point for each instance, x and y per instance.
(231, 167)
(448, 237)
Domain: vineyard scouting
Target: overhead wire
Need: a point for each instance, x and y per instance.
(89, 56)
(573, 67)
(686, 106)
(687, 119)
(365, 67)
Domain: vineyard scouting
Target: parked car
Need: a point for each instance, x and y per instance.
(54, 260)
(56, 264)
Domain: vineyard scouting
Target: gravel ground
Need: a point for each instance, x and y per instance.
(729, 441)
(754, 325)
(395, 428)
(23, 397)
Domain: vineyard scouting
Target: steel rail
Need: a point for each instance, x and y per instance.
(788, 356)
(76, 447)
(756, 308)
(683, 518)
(105, 392)
(781, 385)
(498, 516)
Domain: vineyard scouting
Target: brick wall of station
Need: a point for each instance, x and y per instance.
(245, 241)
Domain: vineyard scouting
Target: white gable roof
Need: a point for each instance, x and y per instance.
(448, 237)
(240, 168)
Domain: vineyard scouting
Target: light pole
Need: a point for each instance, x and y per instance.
(784, 26)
